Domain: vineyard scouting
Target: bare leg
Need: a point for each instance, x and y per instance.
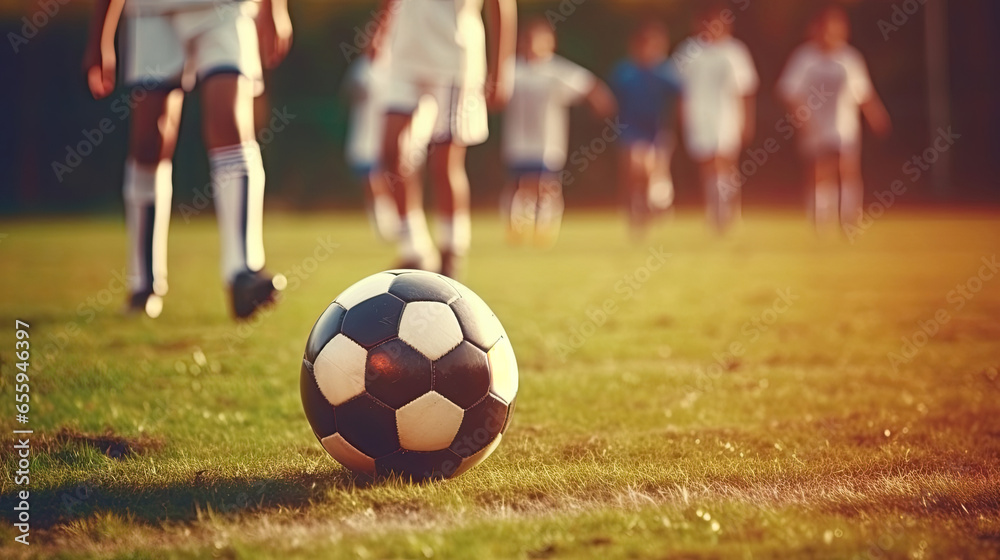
(383, 207)
(826, 200)
(708, 171)
(148, 191)
(523, 208)
(237, 172)
(636, 169)
(730, 211)
(446, 164)
(549, 213)
(661, 183)
(852, 189)
(400, 178)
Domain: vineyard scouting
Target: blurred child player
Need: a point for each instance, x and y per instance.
(364, 144)
(648, 88)
(536, 132)
(831, 138)
(365, 85)
(719, 106)
(439, 49)
(172, 46)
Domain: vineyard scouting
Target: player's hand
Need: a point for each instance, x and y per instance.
(878, 117)
(274, 31)
(498, 91)
(881, 124)
(100, 65)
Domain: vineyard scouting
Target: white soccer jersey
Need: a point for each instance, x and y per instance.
(717, 76)
(833, 86)
(440, 41)
(536, 125)
(147, 7)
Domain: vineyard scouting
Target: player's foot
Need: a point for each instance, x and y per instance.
(639, 217)
(144, 302)
(251, 291)
(428, 262)
(452, 265)
(517, 234)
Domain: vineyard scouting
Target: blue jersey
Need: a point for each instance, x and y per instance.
(647, 99)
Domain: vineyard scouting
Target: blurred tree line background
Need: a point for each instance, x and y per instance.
(48, 115)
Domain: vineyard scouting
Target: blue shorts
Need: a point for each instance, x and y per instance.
(645, 134)
(363, 170)
(523, 169)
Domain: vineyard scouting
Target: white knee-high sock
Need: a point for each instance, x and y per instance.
(238, 186)
(455, 232)
(385, 217)
(415, 244)
(148, 191)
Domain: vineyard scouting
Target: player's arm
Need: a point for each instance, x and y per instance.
(274, 31)
(749, 118)
(382, 22)
(749, 83)
(601, 100)
(501, 20)
(877, 116)
(99, 61)
(871, 104)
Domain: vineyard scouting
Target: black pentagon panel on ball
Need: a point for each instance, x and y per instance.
(419, 465)
(463, 375)
(374, 320)
(396, 374)
(368, 425)
(479, 325)
(480, 426)
(423, 286)
(327, 326)
(319, 411)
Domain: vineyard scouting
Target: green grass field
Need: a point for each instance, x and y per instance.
(752, 397)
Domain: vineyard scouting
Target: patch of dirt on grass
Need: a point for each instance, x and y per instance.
(109, 443)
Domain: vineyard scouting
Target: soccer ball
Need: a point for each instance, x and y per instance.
(409, 373)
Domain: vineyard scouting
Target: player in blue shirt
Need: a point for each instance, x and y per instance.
(648, 88)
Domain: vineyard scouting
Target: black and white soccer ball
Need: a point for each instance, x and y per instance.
(409, 373)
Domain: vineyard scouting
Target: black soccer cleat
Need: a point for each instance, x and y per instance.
(147, 303)
(252, 291)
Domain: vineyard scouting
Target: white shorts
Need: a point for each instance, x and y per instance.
(815, 144)
(182, 48)
(707, 143)
(461, 116)
(364, 143)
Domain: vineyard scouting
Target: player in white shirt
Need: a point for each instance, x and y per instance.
(169, 47)
(536, 132)
(829, 80)
(718, 108)
(438, 49)
(365, 84)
